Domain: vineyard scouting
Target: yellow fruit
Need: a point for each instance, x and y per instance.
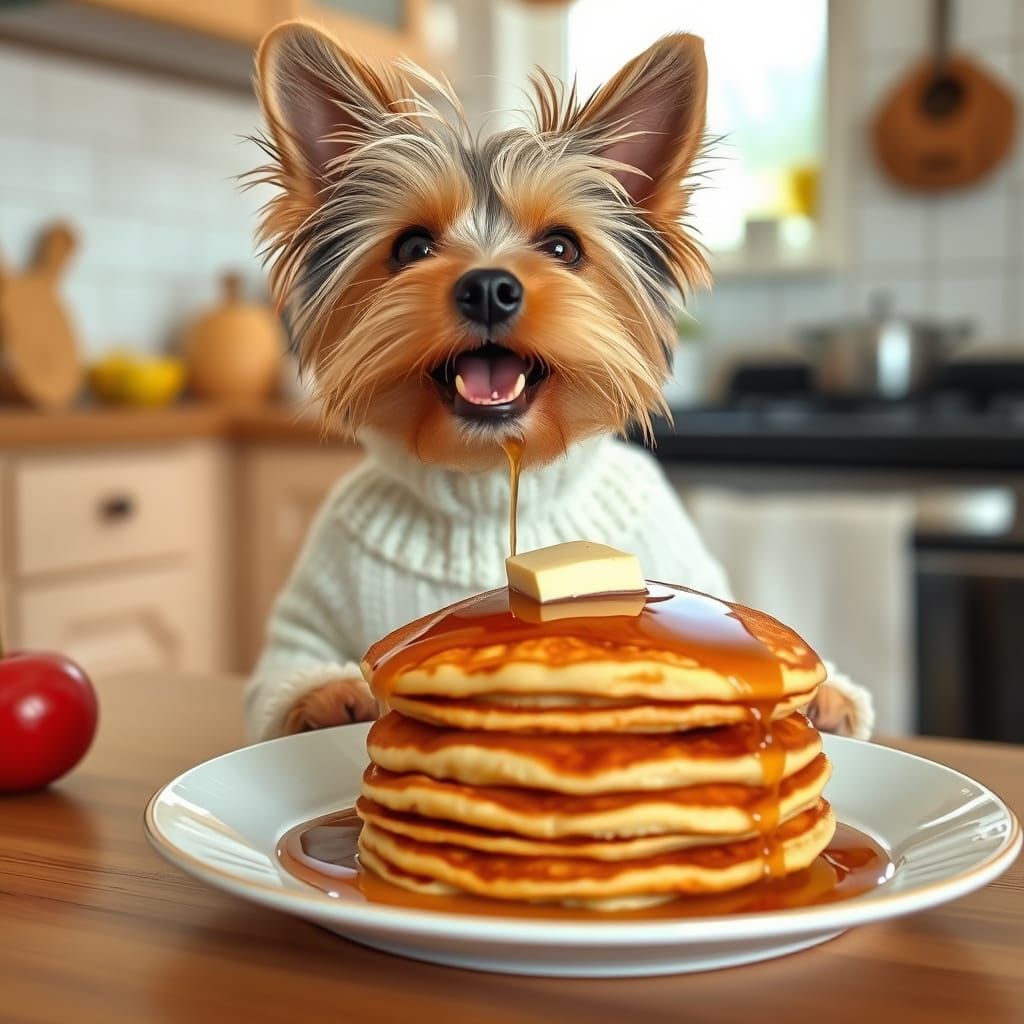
(105, 377)
(154, 383)
(122, 378)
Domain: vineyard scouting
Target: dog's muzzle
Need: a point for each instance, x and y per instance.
(490, 383)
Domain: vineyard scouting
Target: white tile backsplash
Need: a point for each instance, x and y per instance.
(85, 294)
(892, 232)
(972, 228)
(19, 230)
(1017, 87)
(979, 299)
(744, 313)
(112, 242)
(909, 295)
(144, 168)
(894, 27)
(875, 80)
(985, 24)
(21, 166)
(807, 303)
(19, 87)
(85, 101)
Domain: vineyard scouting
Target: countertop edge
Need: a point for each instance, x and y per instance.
(22, 429)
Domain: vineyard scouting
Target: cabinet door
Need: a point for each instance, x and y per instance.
(238, 20)
(133, 621)
(103, 508)
(382, 29)
(282, 488)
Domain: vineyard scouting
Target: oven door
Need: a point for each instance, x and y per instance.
(970, 641)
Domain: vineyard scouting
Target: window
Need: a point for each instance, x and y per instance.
(766, 107)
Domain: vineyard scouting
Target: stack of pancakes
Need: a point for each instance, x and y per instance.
(607, 760)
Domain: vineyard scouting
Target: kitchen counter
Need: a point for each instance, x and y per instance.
(814, 439)
(95, 927)
(900, 438)
(98, 425)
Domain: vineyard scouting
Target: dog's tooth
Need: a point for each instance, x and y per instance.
(460, 386)
(520, 386)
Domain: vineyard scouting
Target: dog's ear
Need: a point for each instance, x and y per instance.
(320, 102)
(652, 115)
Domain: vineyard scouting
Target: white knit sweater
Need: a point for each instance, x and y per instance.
(397, 539)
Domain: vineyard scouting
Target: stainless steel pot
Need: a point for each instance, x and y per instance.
(883, 356)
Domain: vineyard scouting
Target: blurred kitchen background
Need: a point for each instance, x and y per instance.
(849, 400)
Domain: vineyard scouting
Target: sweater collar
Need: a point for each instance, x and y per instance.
(462, 495)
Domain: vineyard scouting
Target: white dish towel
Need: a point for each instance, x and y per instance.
(837, 568)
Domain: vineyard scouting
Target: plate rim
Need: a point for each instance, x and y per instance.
(833, 917)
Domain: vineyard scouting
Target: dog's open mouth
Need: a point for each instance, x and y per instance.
(489, 383)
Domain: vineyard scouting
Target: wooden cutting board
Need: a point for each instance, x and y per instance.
(39, 361)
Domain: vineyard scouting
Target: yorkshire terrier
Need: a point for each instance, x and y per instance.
(448, 293)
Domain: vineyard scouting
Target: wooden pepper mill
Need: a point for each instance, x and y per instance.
(234, 351)
(39, 361)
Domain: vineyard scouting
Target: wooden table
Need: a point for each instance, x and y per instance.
(95, 927)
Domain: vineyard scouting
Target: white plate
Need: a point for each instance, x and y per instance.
(220, 822)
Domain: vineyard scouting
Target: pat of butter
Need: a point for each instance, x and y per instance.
(579, 568)
(602, 607)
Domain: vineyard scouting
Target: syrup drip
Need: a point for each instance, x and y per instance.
(513, 447)
(735, 642)
(765, 816)
(322, 853)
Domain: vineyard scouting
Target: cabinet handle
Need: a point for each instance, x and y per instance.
(117, 508)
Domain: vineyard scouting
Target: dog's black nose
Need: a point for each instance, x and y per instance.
(488, 297)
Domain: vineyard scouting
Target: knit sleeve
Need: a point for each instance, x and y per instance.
(307, 643)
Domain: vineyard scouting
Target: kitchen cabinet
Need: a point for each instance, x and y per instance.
(382, 29)
(83, 511)
(120, 556)
(242, 21)
(155, 541)
(137, 620)
(211, 42)
(280, 491)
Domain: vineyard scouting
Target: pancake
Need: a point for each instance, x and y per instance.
(683, 646)
(564, 666)
(714, 810)
(603, 845)
(701, 869)
(590, 763)
(431, 830)
(573, 714)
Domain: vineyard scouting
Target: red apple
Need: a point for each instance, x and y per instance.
(47, 719)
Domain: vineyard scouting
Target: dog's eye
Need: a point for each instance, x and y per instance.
(563, 246)
(414, 244)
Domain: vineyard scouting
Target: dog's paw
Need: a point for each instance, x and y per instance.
(337, 703)
(834, 711)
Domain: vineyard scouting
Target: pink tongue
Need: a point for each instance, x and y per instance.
(489, 378)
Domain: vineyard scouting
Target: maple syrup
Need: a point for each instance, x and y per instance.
(513, 448)
(323, 853)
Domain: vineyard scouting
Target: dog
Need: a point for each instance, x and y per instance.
(446, 294)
